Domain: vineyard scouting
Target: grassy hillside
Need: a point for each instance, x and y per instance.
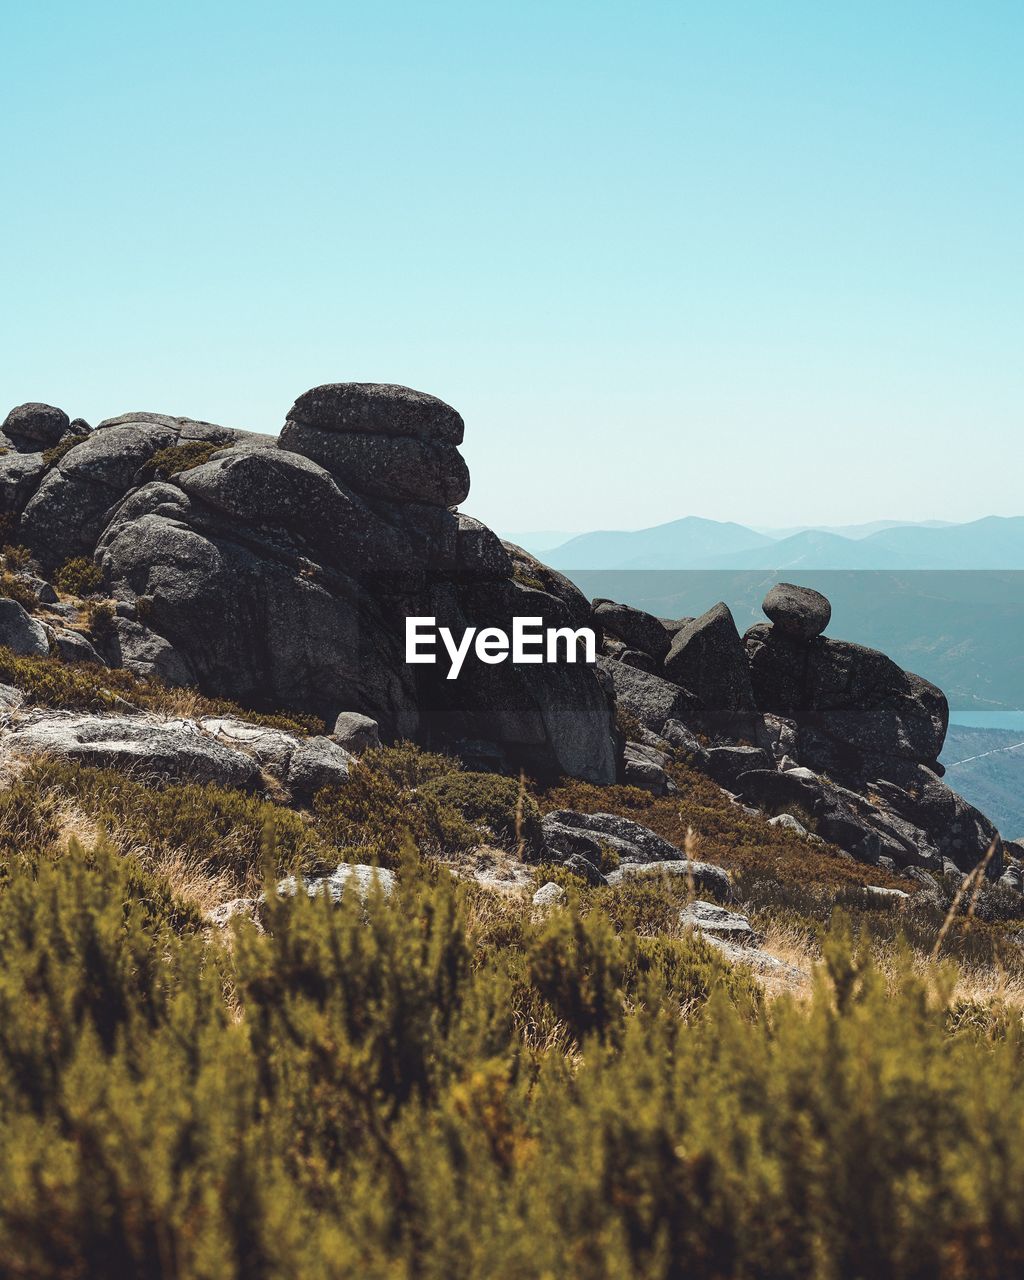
(450, 1082)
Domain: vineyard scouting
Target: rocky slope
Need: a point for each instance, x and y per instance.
(279, 573)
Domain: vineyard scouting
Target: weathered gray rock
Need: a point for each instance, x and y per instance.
(269, 486)
(361, 879)
(531, 572)
(856, 709)
(568, 832)
(20, 632)
(176, 751)
(709, 918)
(549, 895)
(928, 889)
(550, 718)
(706, 877)
(652, 700)
(479, 554)
(831, 808)
(72, 646)
(638, 629)
(644, 767)
(11, 698)
(20, 474)
(399, 468)
(138, 649)
(317, 763)
(761, 961)
(878, 893)
(633, 658)
(377, 409)
(33, 426)
(787, 822)
(584, 869)
(67, 513)
(725, 764)
(707, 657)
(355, 732)
(250, 623)
(798, 612)
(957, 829)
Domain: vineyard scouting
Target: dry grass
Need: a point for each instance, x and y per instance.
(729, 837)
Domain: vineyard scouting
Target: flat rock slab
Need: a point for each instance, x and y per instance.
(567, 832)
(706, 877)
(762, 962)
(173, 752)
(362, 879)
(709, 918)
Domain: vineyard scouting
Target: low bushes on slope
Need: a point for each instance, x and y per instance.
(48, 682)
(367, 1091)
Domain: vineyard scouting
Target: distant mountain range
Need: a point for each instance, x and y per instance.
(995, 542)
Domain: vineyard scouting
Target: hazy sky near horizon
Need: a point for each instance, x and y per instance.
(749, 261)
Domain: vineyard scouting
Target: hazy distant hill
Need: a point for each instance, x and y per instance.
(994, 542)
(680, 544)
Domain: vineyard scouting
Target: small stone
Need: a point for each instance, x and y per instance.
(356, 733)
(549, 895)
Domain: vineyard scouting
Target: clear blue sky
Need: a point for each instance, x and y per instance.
(752, 261)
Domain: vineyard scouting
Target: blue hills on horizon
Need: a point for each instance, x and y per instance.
(993, 542)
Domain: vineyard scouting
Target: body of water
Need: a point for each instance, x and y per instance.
(988, 719)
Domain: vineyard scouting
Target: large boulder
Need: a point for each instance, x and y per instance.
(270, 486)
(251, 622)
(864, 705)
(20, 473)
(707, 657)
(33, 427)
(798, 612)
(650, 699)
(20, 632)
(378, 409)
(394, 467)
(384, 441)
(567, 832)
(638, 629)
(549, 718)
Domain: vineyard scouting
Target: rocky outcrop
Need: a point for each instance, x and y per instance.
(279, 573)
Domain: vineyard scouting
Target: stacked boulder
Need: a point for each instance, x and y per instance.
(791, 719)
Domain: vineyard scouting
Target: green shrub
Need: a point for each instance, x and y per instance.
(177, 458)
(52, 456)
(383, 805)
(13, 588)
(16, 557)
(48, 682)
(78, 577)
(502, 805)
(363, 1090)
(214, 827)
